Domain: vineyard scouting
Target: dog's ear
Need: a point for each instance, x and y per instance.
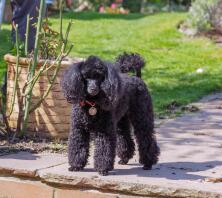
(111, 86)
(72, 83)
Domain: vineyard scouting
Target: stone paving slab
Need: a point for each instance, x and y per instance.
(27, 164)
(191, 151)
(166, 180)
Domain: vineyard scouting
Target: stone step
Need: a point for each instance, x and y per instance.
(17, 188)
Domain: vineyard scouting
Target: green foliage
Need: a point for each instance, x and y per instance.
(152, 6)
(13, 51)
(184, 2)
(147, 5)
(50, 42)
(201, 15)
(97, 3)
(132, 5)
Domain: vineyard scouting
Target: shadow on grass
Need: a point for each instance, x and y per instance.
(102, 53)
(4, 37)
(97, 16)
(181, 90)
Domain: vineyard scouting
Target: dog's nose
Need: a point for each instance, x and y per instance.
(93, 91)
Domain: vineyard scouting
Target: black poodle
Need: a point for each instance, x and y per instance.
(107, 104)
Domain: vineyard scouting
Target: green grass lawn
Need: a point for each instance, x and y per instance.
(5, 47)
(172, 58)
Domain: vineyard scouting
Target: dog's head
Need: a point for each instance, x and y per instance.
(94, 72)
(94, 79)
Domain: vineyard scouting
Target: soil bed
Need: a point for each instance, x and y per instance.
(214, 35)
(33, 146)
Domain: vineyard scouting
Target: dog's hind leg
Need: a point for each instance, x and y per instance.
(125, 143)
(141, 115)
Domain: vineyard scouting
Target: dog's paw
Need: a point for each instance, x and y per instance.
(147, 167)
(104, 173)
(75, 168)
(123, 162)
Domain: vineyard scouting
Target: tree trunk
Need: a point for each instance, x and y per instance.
(143, 6)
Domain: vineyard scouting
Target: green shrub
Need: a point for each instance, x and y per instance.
(97, 3)
(200, 17)
(151, 6)
(132, 5)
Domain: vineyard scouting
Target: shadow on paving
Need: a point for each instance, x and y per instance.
(20, 155)
(170, 170)
(203, 126)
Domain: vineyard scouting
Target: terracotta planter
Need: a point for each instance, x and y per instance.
(52, 118)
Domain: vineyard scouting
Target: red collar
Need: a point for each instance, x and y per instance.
(86, 102)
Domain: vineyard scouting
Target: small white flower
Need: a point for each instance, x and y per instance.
(200, 70)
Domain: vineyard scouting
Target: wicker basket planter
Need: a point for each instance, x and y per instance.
(52, 118)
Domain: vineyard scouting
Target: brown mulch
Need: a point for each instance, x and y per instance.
(214, 34)
(11, 144)
(214, 180)
(175, 107)
(33, 146)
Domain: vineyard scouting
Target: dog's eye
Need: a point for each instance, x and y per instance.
(85, 75)
(96, 75)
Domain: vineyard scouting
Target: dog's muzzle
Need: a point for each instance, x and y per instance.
(92, 87)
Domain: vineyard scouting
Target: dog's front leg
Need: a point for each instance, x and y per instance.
(105, 146)
(79, 137)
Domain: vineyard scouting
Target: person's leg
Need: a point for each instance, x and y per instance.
(49, 4)
(20, 9)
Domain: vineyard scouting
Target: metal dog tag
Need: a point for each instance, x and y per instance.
(92, 111)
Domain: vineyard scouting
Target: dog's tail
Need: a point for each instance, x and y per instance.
(130, 63)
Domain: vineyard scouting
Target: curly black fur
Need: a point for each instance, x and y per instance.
(122, 103)
(131, 63)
